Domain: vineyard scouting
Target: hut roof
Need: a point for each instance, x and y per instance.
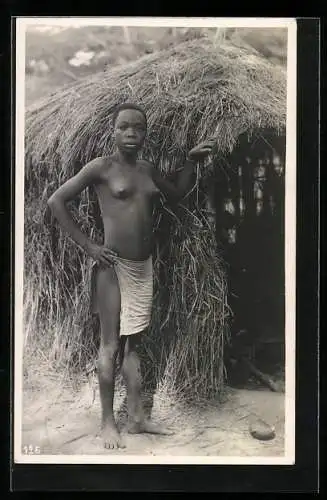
(190, 92)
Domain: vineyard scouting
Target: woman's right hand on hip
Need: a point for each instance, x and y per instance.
(102, 255)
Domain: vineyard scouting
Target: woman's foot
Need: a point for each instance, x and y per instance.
(146, 426)
(111, 437)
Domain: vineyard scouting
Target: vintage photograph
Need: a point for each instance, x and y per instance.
(155, 240)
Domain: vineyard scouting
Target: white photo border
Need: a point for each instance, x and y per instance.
(290, 237)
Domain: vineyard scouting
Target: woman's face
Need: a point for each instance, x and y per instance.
(130, 130)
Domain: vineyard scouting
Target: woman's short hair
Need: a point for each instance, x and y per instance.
(127, 105)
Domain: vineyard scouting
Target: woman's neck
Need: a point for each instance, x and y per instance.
(126, 157)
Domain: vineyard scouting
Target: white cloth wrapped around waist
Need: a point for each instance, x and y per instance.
(135, 279)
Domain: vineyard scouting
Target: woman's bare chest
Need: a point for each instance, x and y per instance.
(128, 184)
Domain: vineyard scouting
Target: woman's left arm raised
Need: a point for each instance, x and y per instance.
(177, 191)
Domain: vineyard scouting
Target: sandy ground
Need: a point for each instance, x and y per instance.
(66, 422)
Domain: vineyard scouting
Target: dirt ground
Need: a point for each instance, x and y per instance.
(66, 422)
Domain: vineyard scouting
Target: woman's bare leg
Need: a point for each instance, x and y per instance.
(108, 304)
(131, 368)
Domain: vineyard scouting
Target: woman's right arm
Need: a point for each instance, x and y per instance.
(88, 175)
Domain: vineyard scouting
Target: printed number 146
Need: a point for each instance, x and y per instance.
(31, 450)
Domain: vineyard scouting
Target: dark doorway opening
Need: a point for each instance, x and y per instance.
(250, 203)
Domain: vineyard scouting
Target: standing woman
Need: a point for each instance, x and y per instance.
(127, 189)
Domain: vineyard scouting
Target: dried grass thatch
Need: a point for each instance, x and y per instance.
(190, 92)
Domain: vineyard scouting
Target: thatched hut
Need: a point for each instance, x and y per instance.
(190, 92)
